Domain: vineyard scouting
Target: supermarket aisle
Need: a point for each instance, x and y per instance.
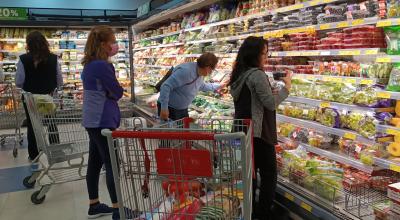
(63, 202)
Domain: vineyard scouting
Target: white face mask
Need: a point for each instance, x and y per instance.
(114, 50)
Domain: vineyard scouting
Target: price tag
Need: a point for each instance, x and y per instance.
(336, 79)
(392, 132)
(384, 60)
(315, 2)
(350, 136)
(384, 95)
(292, 54)
(349, 52)
(350, 80)
(274, 54)
(258, 35)
(310, 77)
(294, 7)
(394, 167)
(384, 23)
(325, 53)
(327, 1)
(343, 24)
(366, 82)
(325, 105)
(306, 206)
(289, 196)
(357, 22)
(371, 52)
(324, 26)
(309, 53)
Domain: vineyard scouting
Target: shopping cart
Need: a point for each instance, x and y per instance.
(184, 170)
(11, 114)
(62, 142)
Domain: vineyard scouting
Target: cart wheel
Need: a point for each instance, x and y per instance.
(27, 184)
(145, 194)
(3, 141)
(36, 200)
(21, 141)
(15, 152)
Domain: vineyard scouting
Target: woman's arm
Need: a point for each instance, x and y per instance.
(259, 81)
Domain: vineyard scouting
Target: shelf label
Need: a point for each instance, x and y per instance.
(384, 95)
(350, 136)
(292, 54)
(366, 82)
(325, 105)
(327, 1)
(274, 54)
(289, 196)
(325, 26)
(349, 52)
(392, 132)
(371, 52)
(309, 53)
(343, 24)
(384, 23)
(350, 80)
(384, 60)
(325, 53)
(357, 22)
(306, 206)
(394, 167)
(315, 2)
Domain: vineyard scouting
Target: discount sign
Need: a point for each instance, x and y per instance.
(13, 14)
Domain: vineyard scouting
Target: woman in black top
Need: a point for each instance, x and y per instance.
(38, 72)
(249, 80)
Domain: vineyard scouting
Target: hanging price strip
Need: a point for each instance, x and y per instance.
(371, 52)
(358, 22)
(350, 136)
(393, 132)
(366, 82)
(325, 26)
(315, 2)
(349, 52)
(325, 105)
(343, 24)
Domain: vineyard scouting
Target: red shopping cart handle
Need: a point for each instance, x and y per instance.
(166, 135)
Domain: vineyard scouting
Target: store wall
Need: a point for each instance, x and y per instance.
(75, 4)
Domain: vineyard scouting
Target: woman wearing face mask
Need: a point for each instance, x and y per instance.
(100, 110)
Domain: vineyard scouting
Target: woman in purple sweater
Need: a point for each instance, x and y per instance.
(100, 110)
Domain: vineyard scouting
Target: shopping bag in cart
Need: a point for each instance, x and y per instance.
(45, 104)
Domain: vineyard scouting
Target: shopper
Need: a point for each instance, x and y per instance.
(180, 89)
(254, 99)
(38, 72)
(100, 110)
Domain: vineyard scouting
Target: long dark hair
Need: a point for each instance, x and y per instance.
(38, 46)
(248, 56)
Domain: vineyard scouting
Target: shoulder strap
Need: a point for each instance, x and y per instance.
(192, 81)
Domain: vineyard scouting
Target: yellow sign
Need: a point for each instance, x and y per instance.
(325, 26)
(349, 52)
(358, 22)
(309, 53)
(325, 104)
(289, 196)
(350, 136)
(393, 132)
(306, 206)
(274, 54)
(384, 60)
(383, 95)
(366, 82)
(350, 80)
(394, 167)
(343, 24)
(292, 54)
(371, 52)
(315, 2)
(384, 23)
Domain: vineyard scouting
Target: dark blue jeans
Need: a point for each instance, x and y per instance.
(99, 155)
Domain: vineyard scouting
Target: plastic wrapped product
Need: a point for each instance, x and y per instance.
(394, 80)
(335, 9)
(320, 140)
(393, 40)
(300, 135)
(285, 129)
(367, 96)
(329, 117)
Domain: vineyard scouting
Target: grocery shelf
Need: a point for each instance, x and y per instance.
(391, 164)
(388, 129)
(388, 59)
(343, 159)
(216, 100)
(8, 61)
(339, 79)
(220, 55)
(152, 66)
(336, 105)
(325, 129)
(339, 52)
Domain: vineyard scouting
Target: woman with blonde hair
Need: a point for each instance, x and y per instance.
(100, 110)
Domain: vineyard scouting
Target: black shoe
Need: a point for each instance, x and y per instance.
(98, 210)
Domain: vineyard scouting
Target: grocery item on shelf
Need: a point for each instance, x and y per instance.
(394, 80)
(393, 40)
(320, 140)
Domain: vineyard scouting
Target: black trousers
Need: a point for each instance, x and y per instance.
(265, 163)
(174, 114)
(52, 129)
(99, 155)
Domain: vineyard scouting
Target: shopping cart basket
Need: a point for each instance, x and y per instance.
(62, 142)
(11, 114)
(178, 171)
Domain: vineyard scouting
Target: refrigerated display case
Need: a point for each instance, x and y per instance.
(338, 129)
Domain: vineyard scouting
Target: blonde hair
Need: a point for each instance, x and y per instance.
(93, 49)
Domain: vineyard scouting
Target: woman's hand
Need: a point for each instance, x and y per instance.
(288, 80)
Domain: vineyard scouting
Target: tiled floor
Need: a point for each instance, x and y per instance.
(66, 201)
